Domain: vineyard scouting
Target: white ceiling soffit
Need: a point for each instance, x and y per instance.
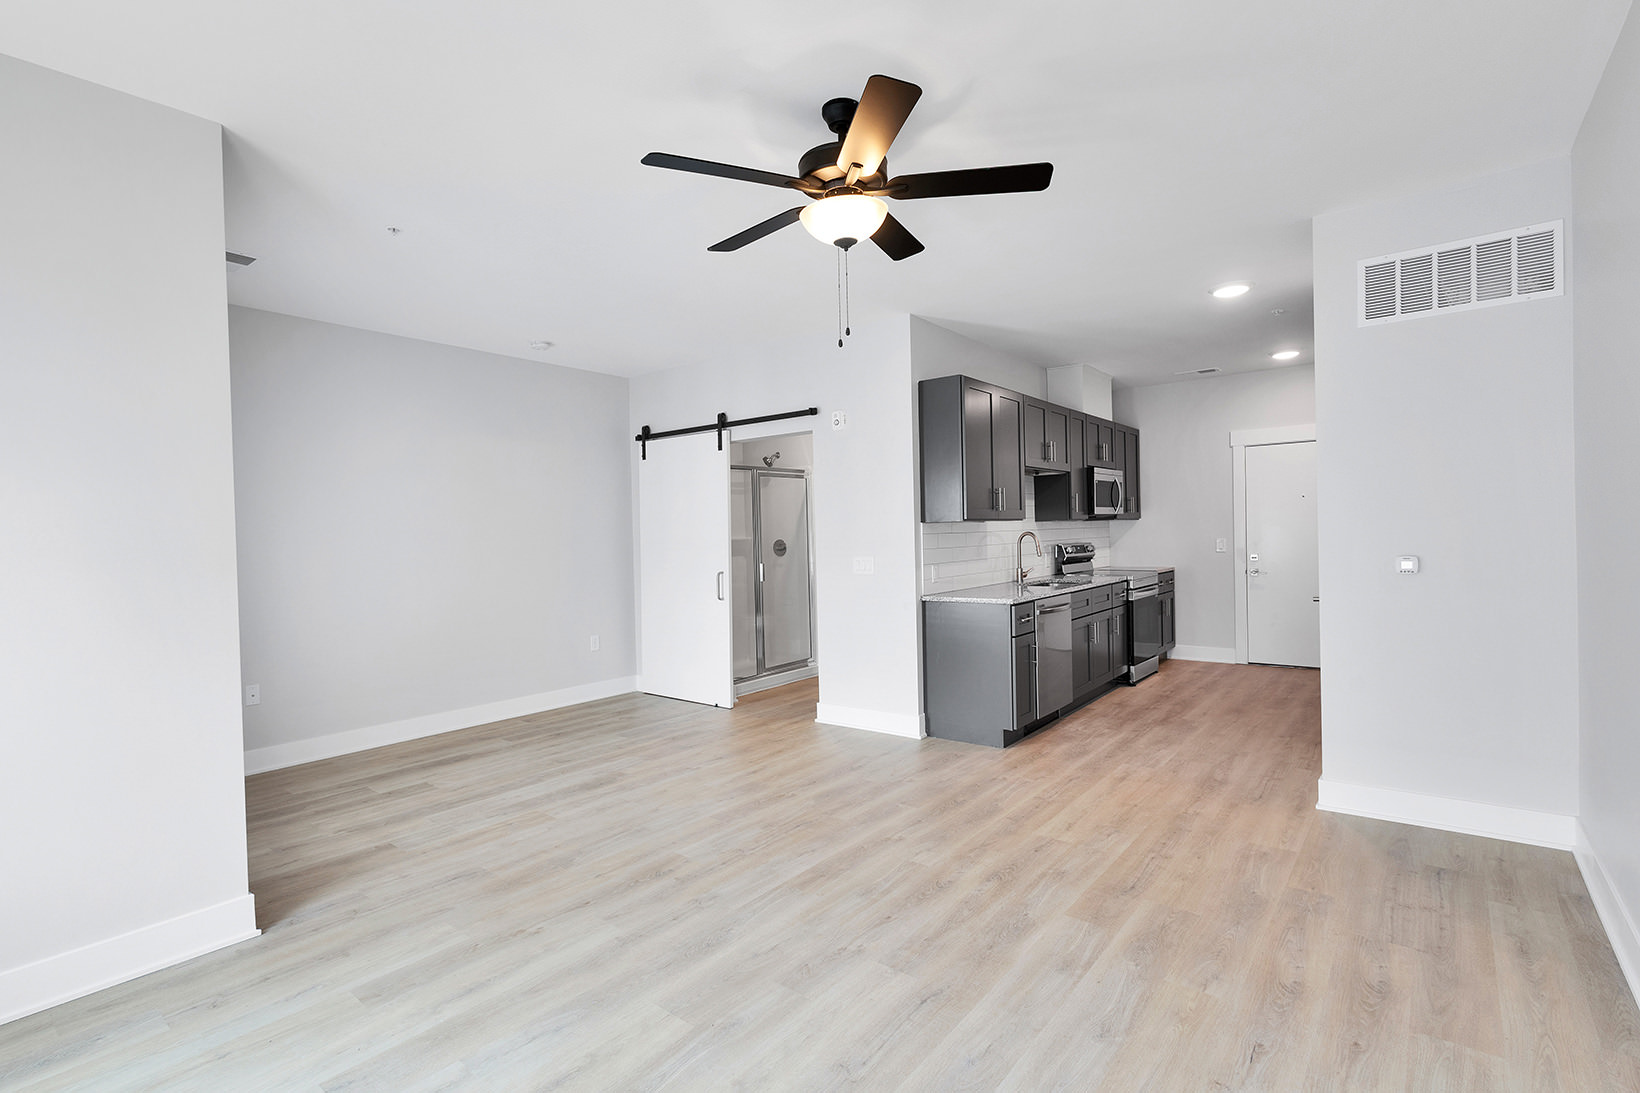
(1192, 140)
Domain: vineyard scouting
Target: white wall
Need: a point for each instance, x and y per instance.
(1185, 496)
(121, 788)
(428, 536)
(863, 495)
(1448, 437)
(936, 351)
(1081, 387)
(795, 450)
(1606, 399)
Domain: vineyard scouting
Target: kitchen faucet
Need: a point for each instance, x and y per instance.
(1019, 554)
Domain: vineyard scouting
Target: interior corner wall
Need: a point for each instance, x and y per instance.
(121, 783)
(1185, 479)
(1448, 697)
(936, 351)
(1606, 401)
(429, 536)
(863, 496)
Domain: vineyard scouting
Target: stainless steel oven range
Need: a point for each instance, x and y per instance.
(1150, 619)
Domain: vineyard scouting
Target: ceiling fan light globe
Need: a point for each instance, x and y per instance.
(846, 216)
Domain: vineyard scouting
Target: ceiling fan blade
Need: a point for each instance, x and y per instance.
(721, 170)
(758, 231)
(895, 241)
(1018, 179)
(884, 106)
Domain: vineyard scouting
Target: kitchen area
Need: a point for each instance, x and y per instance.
(1005, 658)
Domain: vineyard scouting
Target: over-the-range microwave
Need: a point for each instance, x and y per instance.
(1109, 492)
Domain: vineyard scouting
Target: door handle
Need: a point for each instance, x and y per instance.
(720, 584)
(1315, 599)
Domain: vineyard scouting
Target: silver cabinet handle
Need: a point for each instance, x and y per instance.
(720, 584)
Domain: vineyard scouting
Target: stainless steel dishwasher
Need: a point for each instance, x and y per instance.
(1054, 688)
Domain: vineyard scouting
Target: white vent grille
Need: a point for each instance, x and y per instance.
(1501, 268)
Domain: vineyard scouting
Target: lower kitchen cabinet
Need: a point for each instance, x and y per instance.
(979, 671)
(1094, 643)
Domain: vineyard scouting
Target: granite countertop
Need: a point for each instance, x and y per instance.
(1009, 592)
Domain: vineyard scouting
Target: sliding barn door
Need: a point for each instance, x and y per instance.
(687, 627)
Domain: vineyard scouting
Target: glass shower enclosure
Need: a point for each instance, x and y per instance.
(773, 577)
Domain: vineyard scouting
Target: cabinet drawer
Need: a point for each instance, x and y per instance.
(1094, 599)
(1024, 618)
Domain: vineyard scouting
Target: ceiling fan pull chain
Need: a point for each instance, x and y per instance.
(840, 254)
(848, 318)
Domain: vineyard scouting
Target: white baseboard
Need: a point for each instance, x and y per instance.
(1212, 654)
(1520, 825)
(1614, 913)
(79, 972)
(911, 725)
(258, 760)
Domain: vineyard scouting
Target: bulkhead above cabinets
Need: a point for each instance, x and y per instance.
(983, 446)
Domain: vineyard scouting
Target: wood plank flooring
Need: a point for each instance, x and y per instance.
(639, 894)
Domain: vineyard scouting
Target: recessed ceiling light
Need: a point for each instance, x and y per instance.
(540, 346)
(1233, 289)
(1284, 355)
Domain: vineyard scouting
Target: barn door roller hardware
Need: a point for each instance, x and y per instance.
(722, 423)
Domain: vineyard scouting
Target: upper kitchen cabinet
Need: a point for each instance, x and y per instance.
(1048, 437)
(972, 450)
(1101, 443)
(1128, 441)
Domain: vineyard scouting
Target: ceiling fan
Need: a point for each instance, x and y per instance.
(848, 177)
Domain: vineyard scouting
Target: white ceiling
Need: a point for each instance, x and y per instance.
(1192, 142)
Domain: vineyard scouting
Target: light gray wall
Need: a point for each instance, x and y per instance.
(1447, 437)
(936, 351)
(422, 529)
(864, 503)
(1184, 459)
(796, 450)
(121, 783)
(1606, 399)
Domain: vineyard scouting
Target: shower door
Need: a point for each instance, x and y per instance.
(774, 620)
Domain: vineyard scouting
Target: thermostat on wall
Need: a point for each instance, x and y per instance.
(1406, 563)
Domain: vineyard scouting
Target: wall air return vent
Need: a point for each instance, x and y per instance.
(1500, 268)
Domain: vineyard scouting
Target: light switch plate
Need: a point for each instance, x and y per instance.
(1406, 563)
(839, 419)
(1218, 546)
(865, 563)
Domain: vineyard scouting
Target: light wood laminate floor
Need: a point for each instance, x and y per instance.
(639, 894)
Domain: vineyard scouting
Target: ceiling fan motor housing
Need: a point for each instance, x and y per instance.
(820, 163)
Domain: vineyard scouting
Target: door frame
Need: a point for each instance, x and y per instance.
(1240, 441)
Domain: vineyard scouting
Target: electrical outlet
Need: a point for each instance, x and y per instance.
(595, 643)
(865, 563)
(253, 694)
(839, 419)
(1218, 546)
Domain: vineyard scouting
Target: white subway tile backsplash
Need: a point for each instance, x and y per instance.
(956, 556)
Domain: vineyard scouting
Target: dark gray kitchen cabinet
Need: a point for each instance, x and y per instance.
(1091, 648)
(1100, 436)
(1047, 437)
(1129, 440)
(971, 450)
(1024, 684)
(1169, 635)
(979, 671)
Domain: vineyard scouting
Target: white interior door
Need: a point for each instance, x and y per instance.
(685, 618)
(1283, 571)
